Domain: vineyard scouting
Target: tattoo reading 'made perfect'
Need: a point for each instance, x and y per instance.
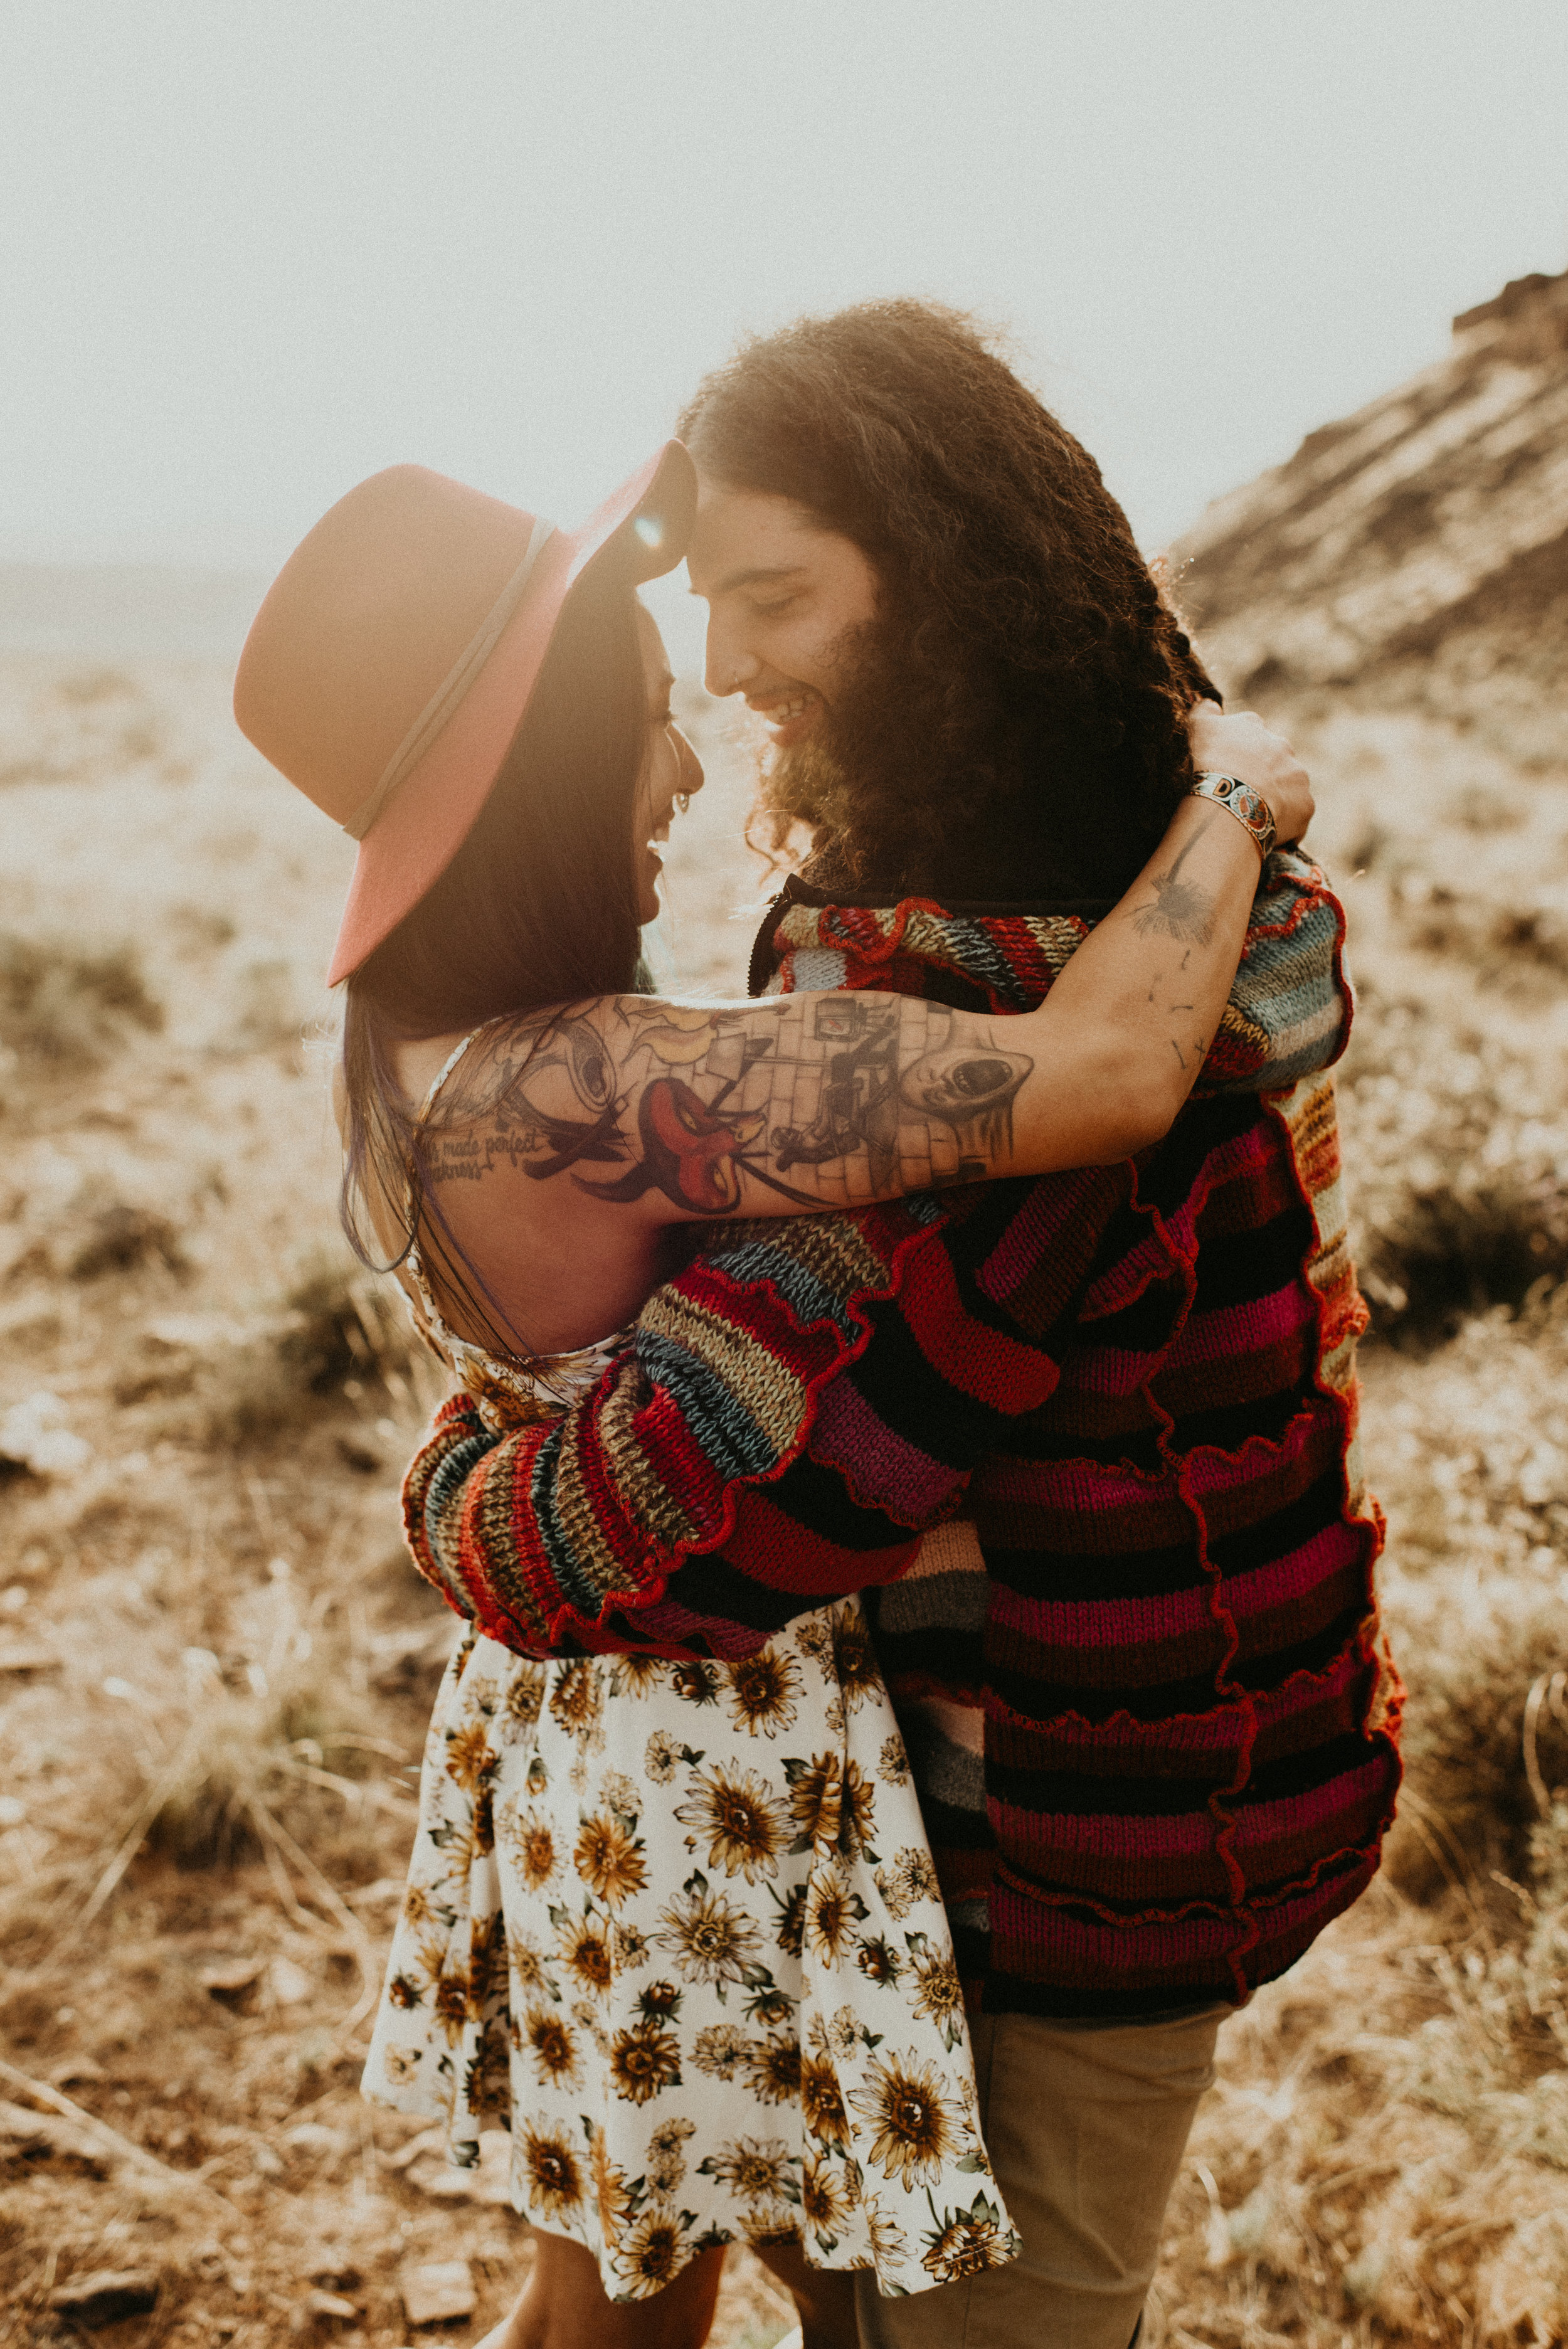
(839, 1093)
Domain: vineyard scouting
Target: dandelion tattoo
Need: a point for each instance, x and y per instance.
(1182, 909)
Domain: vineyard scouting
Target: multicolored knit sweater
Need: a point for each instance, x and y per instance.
(1086, 1441)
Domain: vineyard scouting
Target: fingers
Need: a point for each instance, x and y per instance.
(1237, 742)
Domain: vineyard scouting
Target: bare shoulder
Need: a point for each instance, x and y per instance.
(557, 1091)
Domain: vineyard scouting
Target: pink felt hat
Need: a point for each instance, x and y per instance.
(395, 655)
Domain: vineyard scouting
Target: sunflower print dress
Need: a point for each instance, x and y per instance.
(676, 1927)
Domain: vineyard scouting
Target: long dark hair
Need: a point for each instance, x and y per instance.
(1027, 680)
(539, 907)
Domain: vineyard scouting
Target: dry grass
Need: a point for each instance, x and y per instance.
(1386, 2156)
(1474, 1470)
(219, 1664)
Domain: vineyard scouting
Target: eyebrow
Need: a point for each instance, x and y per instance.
(734, 579)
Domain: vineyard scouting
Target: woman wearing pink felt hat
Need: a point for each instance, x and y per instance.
(647, 1890)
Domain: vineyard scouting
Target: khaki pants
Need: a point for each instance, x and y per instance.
(1086, 2131)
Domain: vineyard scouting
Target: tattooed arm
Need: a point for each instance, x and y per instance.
(817, 1100)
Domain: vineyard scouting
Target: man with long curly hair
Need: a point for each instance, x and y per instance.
(1087, 1444)
(911, 567)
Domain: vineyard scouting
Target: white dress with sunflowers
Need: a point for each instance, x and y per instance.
(676, 1927)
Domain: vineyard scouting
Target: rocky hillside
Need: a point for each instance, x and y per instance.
(1414, 556)
(1395, 596)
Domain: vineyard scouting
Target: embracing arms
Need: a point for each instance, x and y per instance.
(810, 1101)
(669, 1508)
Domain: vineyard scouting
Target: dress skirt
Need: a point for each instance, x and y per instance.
(675, 1926)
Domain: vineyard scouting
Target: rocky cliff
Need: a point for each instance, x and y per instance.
(1397, 596)
(1414, 556)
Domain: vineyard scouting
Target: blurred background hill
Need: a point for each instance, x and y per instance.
(1414, 556)
(1395, 596)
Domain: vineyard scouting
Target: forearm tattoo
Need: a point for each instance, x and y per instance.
(828, 1101)
(1184, 910)
(1179, 909)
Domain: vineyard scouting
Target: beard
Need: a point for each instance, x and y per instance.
(895, 764)
(932, 773)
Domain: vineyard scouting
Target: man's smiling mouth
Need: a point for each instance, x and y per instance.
(785, 711)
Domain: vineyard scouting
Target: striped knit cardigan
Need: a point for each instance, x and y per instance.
(1136, 1654)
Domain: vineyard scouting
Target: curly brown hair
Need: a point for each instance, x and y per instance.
(1026, 680)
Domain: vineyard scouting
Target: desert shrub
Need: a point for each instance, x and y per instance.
(244, 1761)
(142, 737)
(121, 1237)
(1482, 808)
(1432, 1250)
(1458, 1172)
(198, 930)
(85, 685)
(1472, 1656)
(120, 1219)
(271, 1736)
(335, 1328)
(68, 1007)
(1471, 1457)
(1511, 945)
(267, 1010)
(230, 1759)
(1549, 1865)
(1382, 2158)
(346, 1325)
(1389, 2134)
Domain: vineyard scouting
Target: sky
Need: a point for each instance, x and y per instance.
(250, 254)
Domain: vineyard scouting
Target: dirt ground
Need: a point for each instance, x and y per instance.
(216, 1662)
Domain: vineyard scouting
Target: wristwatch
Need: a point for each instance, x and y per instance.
(1248, 807)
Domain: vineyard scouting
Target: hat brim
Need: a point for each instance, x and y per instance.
(435, 808)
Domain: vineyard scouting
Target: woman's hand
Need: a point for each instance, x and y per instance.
(1238, 743)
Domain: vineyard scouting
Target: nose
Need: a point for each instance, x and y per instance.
(729, 666)
(692, 777)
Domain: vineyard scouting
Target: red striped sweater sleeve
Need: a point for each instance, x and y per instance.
(660, 1512)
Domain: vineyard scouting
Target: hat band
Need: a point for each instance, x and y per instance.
(451, 690)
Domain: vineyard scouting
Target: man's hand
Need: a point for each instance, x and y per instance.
(1239, 743)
